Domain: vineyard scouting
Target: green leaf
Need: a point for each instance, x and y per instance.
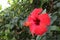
(38, 37)
(10, 1)
(58, 4)
(32, 39)
(44, 11)
(53, 18)
(54, 28)
(0, 7)
(31, 1)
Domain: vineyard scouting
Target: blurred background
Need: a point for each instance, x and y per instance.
(14, 12)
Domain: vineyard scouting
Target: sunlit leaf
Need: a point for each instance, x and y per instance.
(0, 7)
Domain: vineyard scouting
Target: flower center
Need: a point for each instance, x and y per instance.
(37, 21)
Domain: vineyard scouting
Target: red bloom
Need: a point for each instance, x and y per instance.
(38, 22)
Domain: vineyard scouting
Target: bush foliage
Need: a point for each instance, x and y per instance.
(12, 18)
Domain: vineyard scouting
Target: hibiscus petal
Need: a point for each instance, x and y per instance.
(44, 18)
(36, 11)
(34, 14)
(32, 29)
(41, 29)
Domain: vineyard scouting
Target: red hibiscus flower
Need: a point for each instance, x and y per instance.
(38, 22)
